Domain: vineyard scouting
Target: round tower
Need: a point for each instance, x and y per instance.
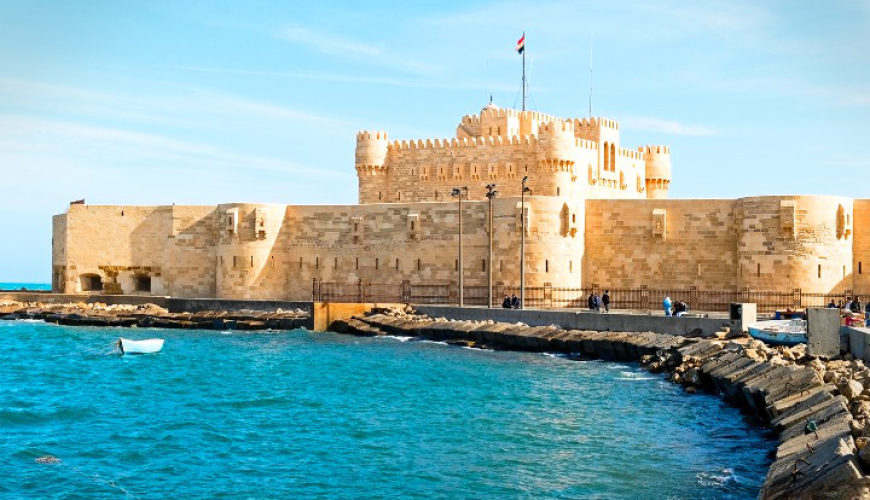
(658, 170)
(371, 153)
(556, 152)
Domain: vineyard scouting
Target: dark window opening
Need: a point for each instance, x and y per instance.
(317, 263)
(377, 264)
(91, 283)
(418, 264)
(142, 283)
(546, 266)
(483, 265)
(357, 263)
(335, 264)
(252, 261)
(397, 264)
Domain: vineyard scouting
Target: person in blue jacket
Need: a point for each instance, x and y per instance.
(667, 305)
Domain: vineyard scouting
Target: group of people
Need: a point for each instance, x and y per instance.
(674, 308)
(853, 306)
(598, 303)
(512, 302)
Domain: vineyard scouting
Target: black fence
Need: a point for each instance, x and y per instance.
(550, 297)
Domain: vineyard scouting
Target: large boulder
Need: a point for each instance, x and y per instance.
(850, 388)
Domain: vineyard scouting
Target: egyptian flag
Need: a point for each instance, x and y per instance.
(521, 45)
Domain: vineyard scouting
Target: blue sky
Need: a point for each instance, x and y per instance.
(201, 102)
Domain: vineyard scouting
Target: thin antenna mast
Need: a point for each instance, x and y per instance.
(590, 76)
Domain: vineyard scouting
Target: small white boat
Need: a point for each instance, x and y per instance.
(780, 332)
(147, 346)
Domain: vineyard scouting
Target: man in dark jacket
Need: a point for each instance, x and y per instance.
(606, 300)
(591, 302)
(515, 301)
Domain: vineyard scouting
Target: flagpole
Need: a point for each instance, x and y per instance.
(524, 71)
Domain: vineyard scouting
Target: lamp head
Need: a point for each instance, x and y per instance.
(525, 179)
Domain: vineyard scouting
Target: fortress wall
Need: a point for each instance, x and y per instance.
(789, 242)
(376, 243)
(625, 250)
(115, 242)
(425, 173)
(245, 265)
(171, 245)
(861, 259)
(418, 174)
(58, 252)
(191, 252)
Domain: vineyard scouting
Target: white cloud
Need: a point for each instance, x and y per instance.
(663, 126)
(196, 105)
(123, 148)
(355, 50)
(328, 43)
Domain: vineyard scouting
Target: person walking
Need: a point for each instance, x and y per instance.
(591, 302)
(606, 301)
(667, 305)
(596, 301)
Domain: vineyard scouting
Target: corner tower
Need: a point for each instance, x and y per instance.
(658, 170)
(370, 158)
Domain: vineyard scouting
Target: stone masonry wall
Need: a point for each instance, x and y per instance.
(274, 252)
(695, 244)
(861, 271)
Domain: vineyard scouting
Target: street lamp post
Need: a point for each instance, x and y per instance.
(523, 242)
(460, 193)
(490, 194)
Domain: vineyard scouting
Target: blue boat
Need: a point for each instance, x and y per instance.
(786, 332)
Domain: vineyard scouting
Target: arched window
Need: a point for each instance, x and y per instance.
(613, 157)
(606, 157)
(820, 270)
(91, 283)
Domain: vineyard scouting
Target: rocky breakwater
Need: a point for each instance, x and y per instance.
(150, 315)
(819, 409)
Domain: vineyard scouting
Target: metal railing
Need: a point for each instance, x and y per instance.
(549, 297)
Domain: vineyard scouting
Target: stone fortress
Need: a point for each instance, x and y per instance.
(597, 214)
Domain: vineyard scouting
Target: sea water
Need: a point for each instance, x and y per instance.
(309, 415)
(9, 285)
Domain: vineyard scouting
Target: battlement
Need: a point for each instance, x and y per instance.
(628, 153)
(472, 142)
(508, 113)
(557, 126)
(377, 135)
(595, 123)
(654, 150)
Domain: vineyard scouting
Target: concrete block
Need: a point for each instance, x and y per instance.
(823, 330)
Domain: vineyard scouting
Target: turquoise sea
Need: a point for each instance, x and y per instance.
(8, 285)
(320, 416)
